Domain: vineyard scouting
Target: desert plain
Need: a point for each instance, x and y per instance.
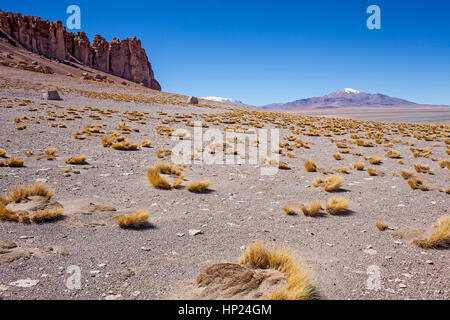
(187, 232)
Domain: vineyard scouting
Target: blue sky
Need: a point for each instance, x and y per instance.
(262, 52)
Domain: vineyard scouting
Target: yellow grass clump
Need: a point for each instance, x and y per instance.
(283, 166)
(289, 211)
(50, 151)
(125, 146)
(298, 287)
(422, 168)
(343, 170)
(314, 210)
(337, 156)
(372, 171)
(23, 192)
(406, 174)
(8, 215)
(15, 163)
(135, 220)
(417, 183)
(47, 215)
(381, 225)
(444, 163)
(392, 154)
(310, 166)
(146, 144)
(2, 153)
(199, 187)
(76, 160)
(374, 159)
(332, 183)
(337, 205)
(440, 238)
(156, 180)
(358, 166)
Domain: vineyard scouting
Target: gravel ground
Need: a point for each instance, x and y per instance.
(243, 206)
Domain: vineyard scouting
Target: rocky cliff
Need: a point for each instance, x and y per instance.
(122, 58)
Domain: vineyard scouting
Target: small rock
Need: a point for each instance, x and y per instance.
(145, 249)
(180, 235)
(402, 285)
(429, 262)
(194, 232)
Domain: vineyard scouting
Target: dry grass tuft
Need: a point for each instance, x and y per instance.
(337, 156)
(375, 160)
(310, 166)
(23, 192)
(156, 180)
(440, 238)
(2, 153)
(135, 220)
(8, 215)
(199, 187)
(50, 151)
(77, 160)
(333, 183)
(125, 146)
(344, 170)
(372, 171)
(381, 225)
(358, 166)
(406, 174)
(330, 184)
(314, 210)
(284, 166)
(289, 211)
(15, 163)
(146, 144)
(337, 205)
(422, 168)
(392, 154)
(47, 215)
(298, 287)
(417, 183)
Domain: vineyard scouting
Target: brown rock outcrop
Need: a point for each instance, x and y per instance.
(122, 58)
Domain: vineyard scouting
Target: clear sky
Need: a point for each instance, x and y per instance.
(262, 52)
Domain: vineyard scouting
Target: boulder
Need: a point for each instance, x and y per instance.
(51, 95)
(192, 100)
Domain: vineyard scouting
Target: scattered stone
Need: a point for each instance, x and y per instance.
(194, 232)
(429, 262)
(145, 249)
(180, 235)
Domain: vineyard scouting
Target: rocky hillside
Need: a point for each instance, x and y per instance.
(122, 58)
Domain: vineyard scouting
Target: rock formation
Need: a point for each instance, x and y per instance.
(122, 58)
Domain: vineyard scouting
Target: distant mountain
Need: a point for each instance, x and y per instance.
(225, 100)
(347, 97)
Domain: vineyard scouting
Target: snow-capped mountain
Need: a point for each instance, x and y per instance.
(224, 100)
(347, 97)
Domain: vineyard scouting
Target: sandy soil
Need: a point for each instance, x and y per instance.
(243, 206)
